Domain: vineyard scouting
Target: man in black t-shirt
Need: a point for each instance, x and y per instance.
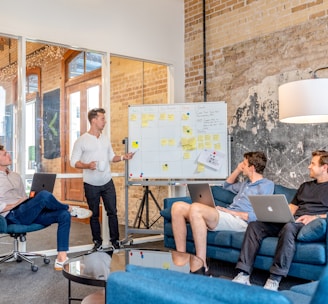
(309, 203)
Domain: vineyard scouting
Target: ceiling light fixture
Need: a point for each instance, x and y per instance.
(304, 101)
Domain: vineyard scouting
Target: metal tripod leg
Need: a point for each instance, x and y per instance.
(145, 205)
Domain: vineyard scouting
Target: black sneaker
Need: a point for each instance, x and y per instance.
(116, 245)
(97, 246)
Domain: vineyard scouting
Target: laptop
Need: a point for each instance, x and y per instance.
(271, 208)
(42, 181)
(201, 193)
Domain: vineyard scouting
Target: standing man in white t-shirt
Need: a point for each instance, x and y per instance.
(93, 152)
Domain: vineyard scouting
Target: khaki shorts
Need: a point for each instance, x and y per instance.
(230, 222)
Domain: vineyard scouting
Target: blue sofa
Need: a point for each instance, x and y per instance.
(311, 249)
(142, 285)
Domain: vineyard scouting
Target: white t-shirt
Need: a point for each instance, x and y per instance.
(88, 148)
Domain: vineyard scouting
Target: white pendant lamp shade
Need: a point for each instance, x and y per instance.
(304, 101)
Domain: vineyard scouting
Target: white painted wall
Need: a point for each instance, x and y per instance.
(143, 29)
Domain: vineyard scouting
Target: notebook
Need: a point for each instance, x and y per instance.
(271, 208)
(42, 181)
(201, 193)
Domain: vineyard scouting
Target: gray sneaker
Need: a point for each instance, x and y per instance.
(271, 285)
(81, 213)
(242, 278)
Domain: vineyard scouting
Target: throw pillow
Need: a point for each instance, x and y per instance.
(314, 231)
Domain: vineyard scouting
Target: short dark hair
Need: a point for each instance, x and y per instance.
(94, 112)
(323, 160)
(256, 159)
(2, 147)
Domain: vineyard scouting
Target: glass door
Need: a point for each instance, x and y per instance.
(80, 99)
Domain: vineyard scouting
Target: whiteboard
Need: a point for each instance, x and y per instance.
(178, 141)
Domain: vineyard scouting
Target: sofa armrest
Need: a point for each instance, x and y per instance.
(155, 285)
(168, 202)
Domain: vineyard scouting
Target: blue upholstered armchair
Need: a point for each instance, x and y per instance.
(141, 285)
(19, 232)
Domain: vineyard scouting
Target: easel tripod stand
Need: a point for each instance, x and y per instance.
(144, 206)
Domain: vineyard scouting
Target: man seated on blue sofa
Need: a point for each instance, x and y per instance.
(236, 217)
(309, 204)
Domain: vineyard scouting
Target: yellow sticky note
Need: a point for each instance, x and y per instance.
(186, 155)
(135, 145)
(162, 116)
(171, 142)
(163, 142)
(216, 137)
(200, 168)
(133, 117)
(170, 116)
(165, 167)
(207, 137)
(208, 144)
(185, 116)
(217, 147)
(200, 137)
(201, 146)
(187, 130)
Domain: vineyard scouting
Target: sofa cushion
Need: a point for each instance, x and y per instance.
(289, 192)
(222, 197)
(314, 231)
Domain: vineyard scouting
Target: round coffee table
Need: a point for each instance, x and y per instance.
(89, 269)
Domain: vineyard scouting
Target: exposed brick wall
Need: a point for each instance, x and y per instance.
(133, 83)
(251, 50)
(248, 40)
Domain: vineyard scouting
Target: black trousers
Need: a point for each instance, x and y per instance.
(256, 232)
(108, 194)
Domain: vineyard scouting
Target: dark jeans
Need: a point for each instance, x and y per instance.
(44, 209)
(108, 194)
(256, 232)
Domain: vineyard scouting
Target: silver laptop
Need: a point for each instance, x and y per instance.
(271, 208)
(42, 181)
(201, 193)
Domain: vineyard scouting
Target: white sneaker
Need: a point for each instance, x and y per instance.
(59, 265)
(271, 285)
(81, 213)
(242, 278)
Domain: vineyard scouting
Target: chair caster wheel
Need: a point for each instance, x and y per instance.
(46, 260)
(19, 259)
(34, 268)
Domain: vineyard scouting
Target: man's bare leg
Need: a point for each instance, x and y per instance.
(180, 216)
(201, 218)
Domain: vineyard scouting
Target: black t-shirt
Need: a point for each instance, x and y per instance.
(311, 198)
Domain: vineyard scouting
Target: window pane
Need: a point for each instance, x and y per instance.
(93, 61)
(30, 137)
(32, 83)
(74, 121)
(76, 66)
(8, 90)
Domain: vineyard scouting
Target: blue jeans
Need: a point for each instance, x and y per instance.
(44, 209)
(256, 232)
(108, 194)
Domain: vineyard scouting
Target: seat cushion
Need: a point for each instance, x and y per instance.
(15, 228)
